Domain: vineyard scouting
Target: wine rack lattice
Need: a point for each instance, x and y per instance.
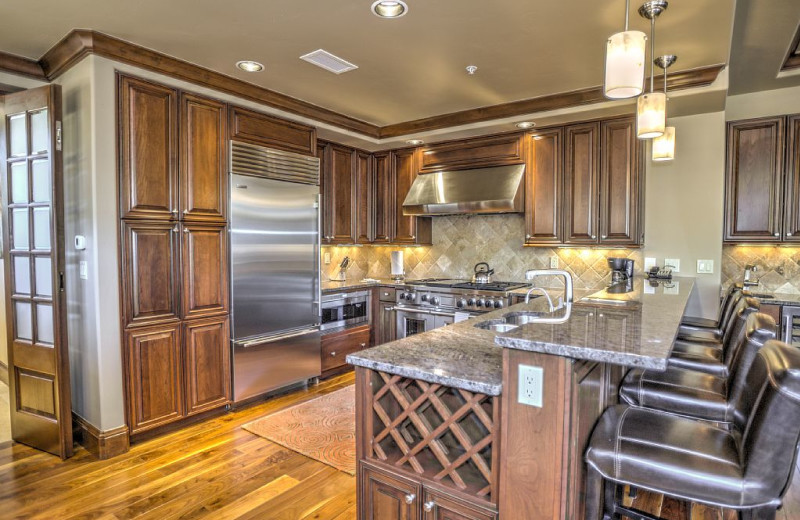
(442, 433)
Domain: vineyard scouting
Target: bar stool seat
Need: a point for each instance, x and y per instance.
(711, 330)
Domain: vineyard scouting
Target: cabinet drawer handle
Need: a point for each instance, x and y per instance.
(410, 498)
(428, 506)
(333, 354)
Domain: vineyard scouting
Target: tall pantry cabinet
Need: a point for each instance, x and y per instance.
(173, 240)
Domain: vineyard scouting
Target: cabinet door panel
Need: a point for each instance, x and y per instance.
(388, 497)
(581, 184)
(272, 132)
(207, 369)
(154, 382)
(336, 347)
(340, 191)
(204, 190)
(791, 226)
(364, 203)
(543, 188)
(754, 173)
(150, 271)
(619, 183)
(494, 150)
(148, 146)
(205, 269)
(388, 323)
(384, 199)
(407, 229)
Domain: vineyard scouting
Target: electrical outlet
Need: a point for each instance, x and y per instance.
(673, 263)
(705, 267)
(326, 258)
(531, 380)
(650, 263)
(554, 262)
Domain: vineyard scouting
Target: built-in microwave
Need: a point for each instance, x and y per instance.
(345, 309)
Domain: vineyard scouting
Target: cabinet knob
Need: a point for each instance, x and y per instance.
(174, 211)
(527, 237)
(175, 229)
(186, 212)
(428, 506)
(594, 236)
(333, 354)
(410, 498)
(413, 237)
(604, 236)
(777, 234)
(185, 230)
(363, 345)
(788, 234)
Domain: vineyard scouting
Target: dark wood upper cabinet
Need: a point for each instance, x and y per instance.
(495, 150)
(365, 198)
(581, 183)
(206, 364)
(383, 198)
(340, 194)
(148, 147)
(154, 379)
(621, 217)
(272, 132)
(150, 256)
(791, 225)
(203, 159)
(753, 184)
(205, 268)
(407, 229)
(543, 188)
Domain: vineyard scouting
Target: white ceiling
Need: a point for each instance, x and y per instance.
(409, 68)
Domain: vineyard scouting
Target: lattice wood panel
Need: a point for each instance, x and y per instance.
(441, 433)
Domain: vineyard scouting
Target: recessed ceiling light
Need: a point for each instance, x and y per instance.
(525, 124)
(389, 8)
(415, 142)
(472, 69)
(250, 66)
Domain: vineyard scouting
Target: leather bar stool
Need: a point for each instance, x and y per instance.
(748, 468)
(704, 329)
(715, 360)
(696, 394)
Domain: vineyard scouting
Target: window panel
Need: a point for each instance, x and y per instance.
(39, 133)
(44, 276)
(19, 228)
(22, 275)
(22, 317)
(44, 323)
(41, 228)
(40, 170)
(19, 182)
(18, 135)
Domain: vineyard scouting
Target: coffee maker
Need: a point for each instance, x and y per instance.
(621, 269)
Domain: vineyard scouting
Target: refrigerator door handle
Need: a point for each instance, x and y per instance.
(275, 337)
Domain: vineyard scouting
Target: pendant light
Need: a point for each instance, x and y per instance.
(651, 108)
(664, 146)
(625, 59)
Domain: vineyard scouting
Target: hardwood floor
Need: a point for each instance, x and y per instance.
(215, 469)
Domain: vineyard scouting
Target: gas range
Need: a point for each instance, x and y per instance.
(456, 294)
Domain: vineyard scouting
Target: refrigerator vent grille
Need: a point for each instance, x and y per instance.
(251, 159)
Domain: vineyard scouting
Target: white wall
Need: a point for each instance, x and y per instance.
(684, 205)
(762, 104)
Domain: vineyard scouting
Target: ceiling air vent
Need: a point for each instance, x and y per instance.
(326, 60)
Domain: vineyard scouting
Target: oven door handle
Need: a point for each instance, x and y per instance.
(422, 311)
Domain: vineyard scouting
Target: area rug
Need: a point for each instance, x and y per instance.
(323, 429)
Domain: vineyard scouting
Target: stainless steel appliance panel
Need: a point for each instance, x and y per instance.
(790, 319)
(411, 322)
(264, 365)
(274, 256)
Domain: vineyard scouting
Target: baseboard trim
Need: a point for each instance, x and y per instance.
(3, 372)
(101, 444)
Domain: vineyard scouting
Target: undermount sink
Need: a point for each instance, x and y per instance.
(497, 325)
(511, 321)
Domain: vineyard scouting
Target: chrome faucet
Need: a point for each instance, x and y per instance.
(533, 273)
(749, 269)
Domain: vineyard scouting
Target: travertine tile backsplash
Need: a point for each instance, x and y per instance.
(778, 267)
(459, 242)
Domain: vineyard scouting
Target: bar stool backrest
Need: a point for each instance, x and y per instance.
(732, 297)
(735, 333)
(760, 329)
(767, 423)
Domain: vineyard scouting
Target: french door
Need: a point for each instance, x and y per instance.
(33, 238)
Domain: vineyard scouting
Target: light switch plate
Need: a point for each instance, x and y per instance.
(531, 381)
(650, 263)
(83, 268)
(326, 258)
(673, 263)
(705, 267)
(554, 262)
(672, 288)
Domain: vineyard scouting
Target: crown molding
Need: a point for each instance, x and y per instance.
(82, 42)
(792, 60)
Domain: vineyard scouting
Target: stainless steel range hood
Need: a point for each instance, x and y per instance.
(482, 190)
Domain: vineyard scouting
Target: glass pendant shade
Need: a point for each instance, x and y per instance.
(625, 53)
(664, 146)
(651, 115)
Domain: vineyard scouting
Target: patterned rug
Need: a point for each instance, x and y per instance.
(323, 429)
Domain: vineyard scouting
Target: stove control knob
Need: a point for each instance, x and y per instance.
(488, 304)
(461, 303)
(424, 297)
(402, 296)
(410, 297)
(480, 303)
(498, 304)
(471, 302)
(434, 300)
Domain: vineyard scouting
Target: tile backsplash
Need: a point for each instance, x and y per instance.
(460, 242)
(778, 267)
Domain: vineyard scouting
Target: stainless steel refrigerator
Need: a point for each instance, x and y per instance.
(275, 285)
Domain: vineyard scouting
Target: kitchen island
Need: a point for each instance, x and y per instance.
(441, 431)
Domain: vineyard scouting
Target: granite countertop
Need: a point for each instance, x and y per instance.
(332, 286)
(635, 328)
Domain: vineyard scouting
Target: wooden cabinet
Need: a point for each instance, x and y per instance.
(407, 229)
(365, 198)
(387, 323)
(206, 364)
(440, 506)
(340, 192)
(496, 150)
(791, 221)
(153, 376)
(754, 180)
(148, 148)
(383, 202)
(203, 159)
(621, 218)
(387, 496)
(581, 183)
(543, 188)
(336, 346)
(150, 263)
(205, 268)
(272, 132)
